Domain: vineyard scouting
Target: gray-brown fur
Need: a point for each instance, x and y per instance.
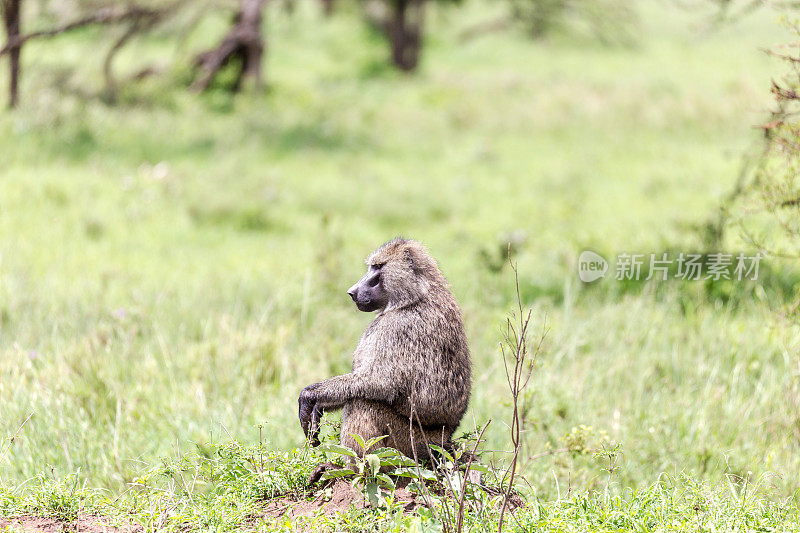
(413, 355)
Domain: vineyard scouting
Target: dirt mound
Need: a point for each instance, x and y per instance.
(84, 524)
(337, 497)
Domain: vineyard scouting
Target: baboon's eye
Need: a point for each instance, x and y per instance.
(378, 266)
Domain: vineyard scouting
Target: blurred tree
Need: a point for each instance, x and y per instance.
(734, 9)
(771, 201)
(765, 203)
(141, 20)
(404, 29)
(538, 17)
(401, 22)
(243, 43)
(607, 20)
(139, 17)
(11, 20)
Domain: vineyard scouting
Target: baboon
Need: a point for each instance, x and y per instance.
(411, 367)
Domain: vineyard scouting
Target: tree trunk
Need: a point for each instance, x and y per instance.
(404, 31)
(11, 18)
(244, 42)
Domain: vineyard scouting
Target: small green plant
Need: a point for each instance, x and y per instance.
(60, 499)
(585, 439)
(367, 469)
(449, 484)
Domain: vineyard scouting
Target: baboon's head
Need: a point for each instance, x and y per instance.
(399, 273)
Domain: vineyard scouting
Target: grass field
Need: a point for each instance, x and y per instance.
(173, 268)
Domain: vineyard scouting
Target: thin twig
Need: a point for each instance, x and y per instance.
(515, 346)
(460, 522)
(15, 436)
(424, 489)
(447, 519)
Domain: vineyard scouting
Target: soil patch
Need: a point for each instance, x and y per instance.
(336, 497)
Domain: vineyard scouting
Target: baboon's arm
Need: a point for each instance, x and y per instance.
(333, 393)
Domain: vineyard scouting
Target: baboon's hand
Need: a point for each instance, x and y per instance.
(310, 413)
(313, 426)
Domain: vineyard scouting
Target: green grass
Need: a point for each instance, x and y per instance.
(173, 268)
(224, 488)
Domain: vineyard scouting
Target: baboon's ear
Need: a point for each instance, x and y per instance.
(409, 258)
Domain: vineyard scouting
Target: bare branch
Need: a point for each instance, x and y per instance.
(106, 15)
